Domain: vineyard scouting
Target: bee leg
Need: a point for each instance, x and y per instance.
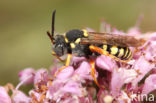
(93, 73)
(69, 56)
(103, 52)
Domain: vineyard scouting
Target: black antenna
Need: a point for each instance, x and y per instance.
(51, 36)
(53, 23)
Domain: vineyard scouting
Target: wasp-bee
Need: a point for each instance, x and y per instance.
(85, 43)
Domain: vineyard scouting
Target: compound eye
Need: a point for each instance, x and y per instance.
(58, 46)
(59, 49)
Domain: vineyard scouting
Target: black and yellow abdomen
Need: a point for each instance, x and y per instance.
(124, 53)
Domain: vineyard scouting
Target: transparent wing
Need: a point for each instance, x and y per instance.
(112, 39)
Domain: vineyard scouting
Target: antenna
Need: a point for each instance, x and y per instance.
(51, 36)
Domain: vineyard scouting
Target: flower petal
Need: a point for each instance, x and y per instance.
(150, 84)
(78, 59)
(41, 74)
(65, 73)
(4, 97)
(24, 74)
(84, 70)
(20, 97)
(120, 77)
(142, 66)
(134, 31)
(73, 88)
(105, 63)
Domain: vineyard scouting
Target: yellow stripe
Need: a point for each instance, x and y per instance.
(85, 33)
(129, 55)
(78, 40)
(104, 47)
(72, 45)
(121, 52)
(66, 40)
(114, 50)
(125, 53)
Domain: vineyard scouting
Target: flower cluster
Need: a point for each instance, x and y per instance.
(124, 83)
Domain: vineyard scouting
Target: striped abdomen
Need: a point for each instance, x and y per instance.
(124, 53)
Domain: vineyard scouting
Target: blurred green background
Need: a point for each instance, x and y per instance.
(23, 26)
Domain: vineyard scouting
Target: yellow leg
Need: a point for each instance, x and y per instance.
(69, 56)
(93, 73)
(101, 51)
(115, 58)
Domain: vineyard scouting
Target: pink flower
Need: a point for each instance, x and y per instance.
(120, 77)
(4, 97)
(65, 73)
(34, 96)
(41, 75)
(73, 88)
(27, 75)
(20, 97)
(106, 63)
(78, 59)
(104, 96)
(84, 70)
(142, 66)
(75, 84)
(150, 84)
